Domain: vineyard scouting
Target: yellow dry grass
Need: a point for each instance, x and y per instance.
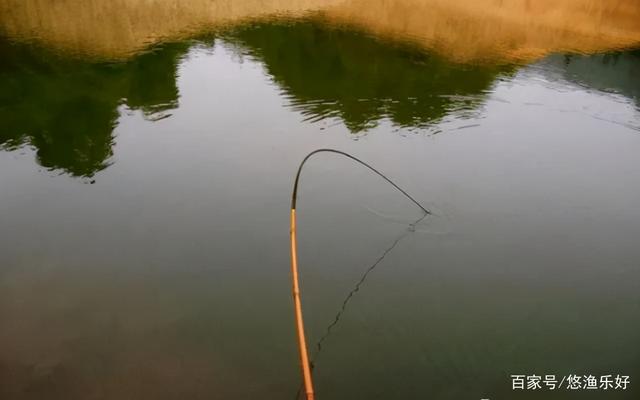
(504, 30)
(463, 30)
(118, 28)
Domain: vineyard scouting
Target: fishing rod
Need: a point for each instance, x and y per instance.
(302, 342)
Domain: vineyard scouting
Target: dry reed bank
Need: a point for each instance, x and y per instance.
(464, 30)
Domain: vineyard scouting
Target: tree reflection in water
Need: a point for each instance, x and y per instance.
(67, 108)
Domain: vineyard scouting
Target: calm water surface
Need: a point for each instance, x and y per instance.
(144, 219)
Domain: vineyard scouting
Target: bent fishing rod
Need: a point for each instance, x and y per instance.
(302, 343)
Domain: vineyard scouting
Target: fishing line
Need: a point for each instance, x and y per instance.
(363, 278)
(347, 299)
(302, 343)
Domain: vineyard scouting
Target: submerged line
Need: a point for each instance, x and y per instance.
(347, 299)
(352, 293)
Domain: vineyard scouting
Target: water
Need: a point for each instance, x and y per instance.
(144, 218)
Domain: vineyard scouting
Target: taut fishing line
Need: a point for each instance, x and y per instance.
(302, 343)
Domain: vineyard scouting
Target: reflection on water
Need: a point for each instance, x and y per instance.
(463, 30)
(67, 109)
(345, 74)
(616, 72)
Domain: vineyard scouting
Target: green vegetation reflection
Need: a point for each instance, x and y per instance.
(332, 72)
(67, 109)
